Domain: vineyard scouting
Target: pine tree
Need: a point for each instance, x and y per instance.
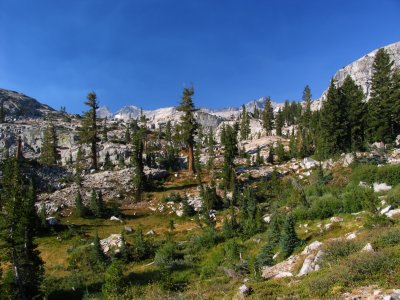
(80, 209)
(259, 159)
(49, 153)
(279, 122)
(88, 130)
(280, 152)
(244, 124)
(292, 146)
(107, 162)
(139, 179)
(2, 113)
(105, 131)
(265, 257)
(306, 114)
(114, 283)
(210, 149)
(17, 229)
(357, 112)
(188, 210)
(268, 116)
(334, 123)
(396, 101)
(380, 121)
(96, 204)
(289, 239)
(229, 138)
(188, 125)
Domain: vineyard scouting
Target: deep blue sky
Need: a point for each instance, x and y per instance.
(143, 52)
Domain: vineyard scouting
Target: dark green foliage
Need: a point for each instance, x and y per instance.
(334, 123)
(259, 159)
(141, 248)
(49, 154)
(17, 229)
(274, 229)
(268, 116)
(393, 196)
(338, 249)
(114, 283)
(356, 198)
(265, 256)
(167, 255)
(188, 210)
(107, 162)
(380, 119)
(369, 174)
(80, 209)
(280, 152)
(391, 237)
(244, 124)
(250, 215)
(105, 131)
(96, 204)
(188, 126)
(289, 239)
(88, 129)
(139, 179)
(279, 122)
(173, 197)
(211, 200)
(357, 114)
(229, 141)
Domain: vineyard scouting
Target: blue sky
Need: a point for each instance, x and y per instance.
(143, 52)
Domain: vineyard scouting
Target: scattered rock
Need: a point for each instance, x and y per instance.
(112, 243)
(393, 213)
(351, 235)
(267, 219)
(367, 248)
(385, 209)
(244, 290)
(150, 232)
(328, 226)
(282, 269)
(310, 264)
(283, 275)
(52, 221)
(309, 163)
(128, 229)
(113, 218)
(381, 187)
(336, 219)
(312, 247)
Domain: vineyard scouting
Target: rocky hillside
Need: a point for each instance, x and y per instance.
(361, 71)
(21, 106)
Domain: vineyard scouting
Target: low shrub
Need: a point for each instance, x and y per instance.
(388, 238)
(339, 249)
(393, 196)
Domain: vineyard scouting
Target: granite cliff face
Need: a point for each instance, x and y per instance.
(361, 71)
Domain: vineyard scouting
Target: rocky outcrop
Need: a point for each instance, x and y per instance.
(18, 106)
(361, 71)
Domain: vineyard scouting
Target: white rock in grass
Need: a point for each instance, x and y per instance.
(393, 213)
(386, 209)
(351, 236)
(381, 187)
(113, 218)
(312, 247)
(367, 248)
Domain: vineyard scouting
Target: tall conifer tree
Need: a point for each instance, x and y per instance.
(88, 130)
(188, 125)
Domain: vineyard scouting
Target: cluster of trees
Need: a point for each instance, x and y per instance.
(19, 224)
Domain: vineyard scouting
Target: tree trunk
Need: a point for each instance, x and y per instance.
(191, 167)
(94, 154)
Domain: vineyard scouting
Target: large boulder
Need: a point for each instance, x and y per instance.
(112, 244)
